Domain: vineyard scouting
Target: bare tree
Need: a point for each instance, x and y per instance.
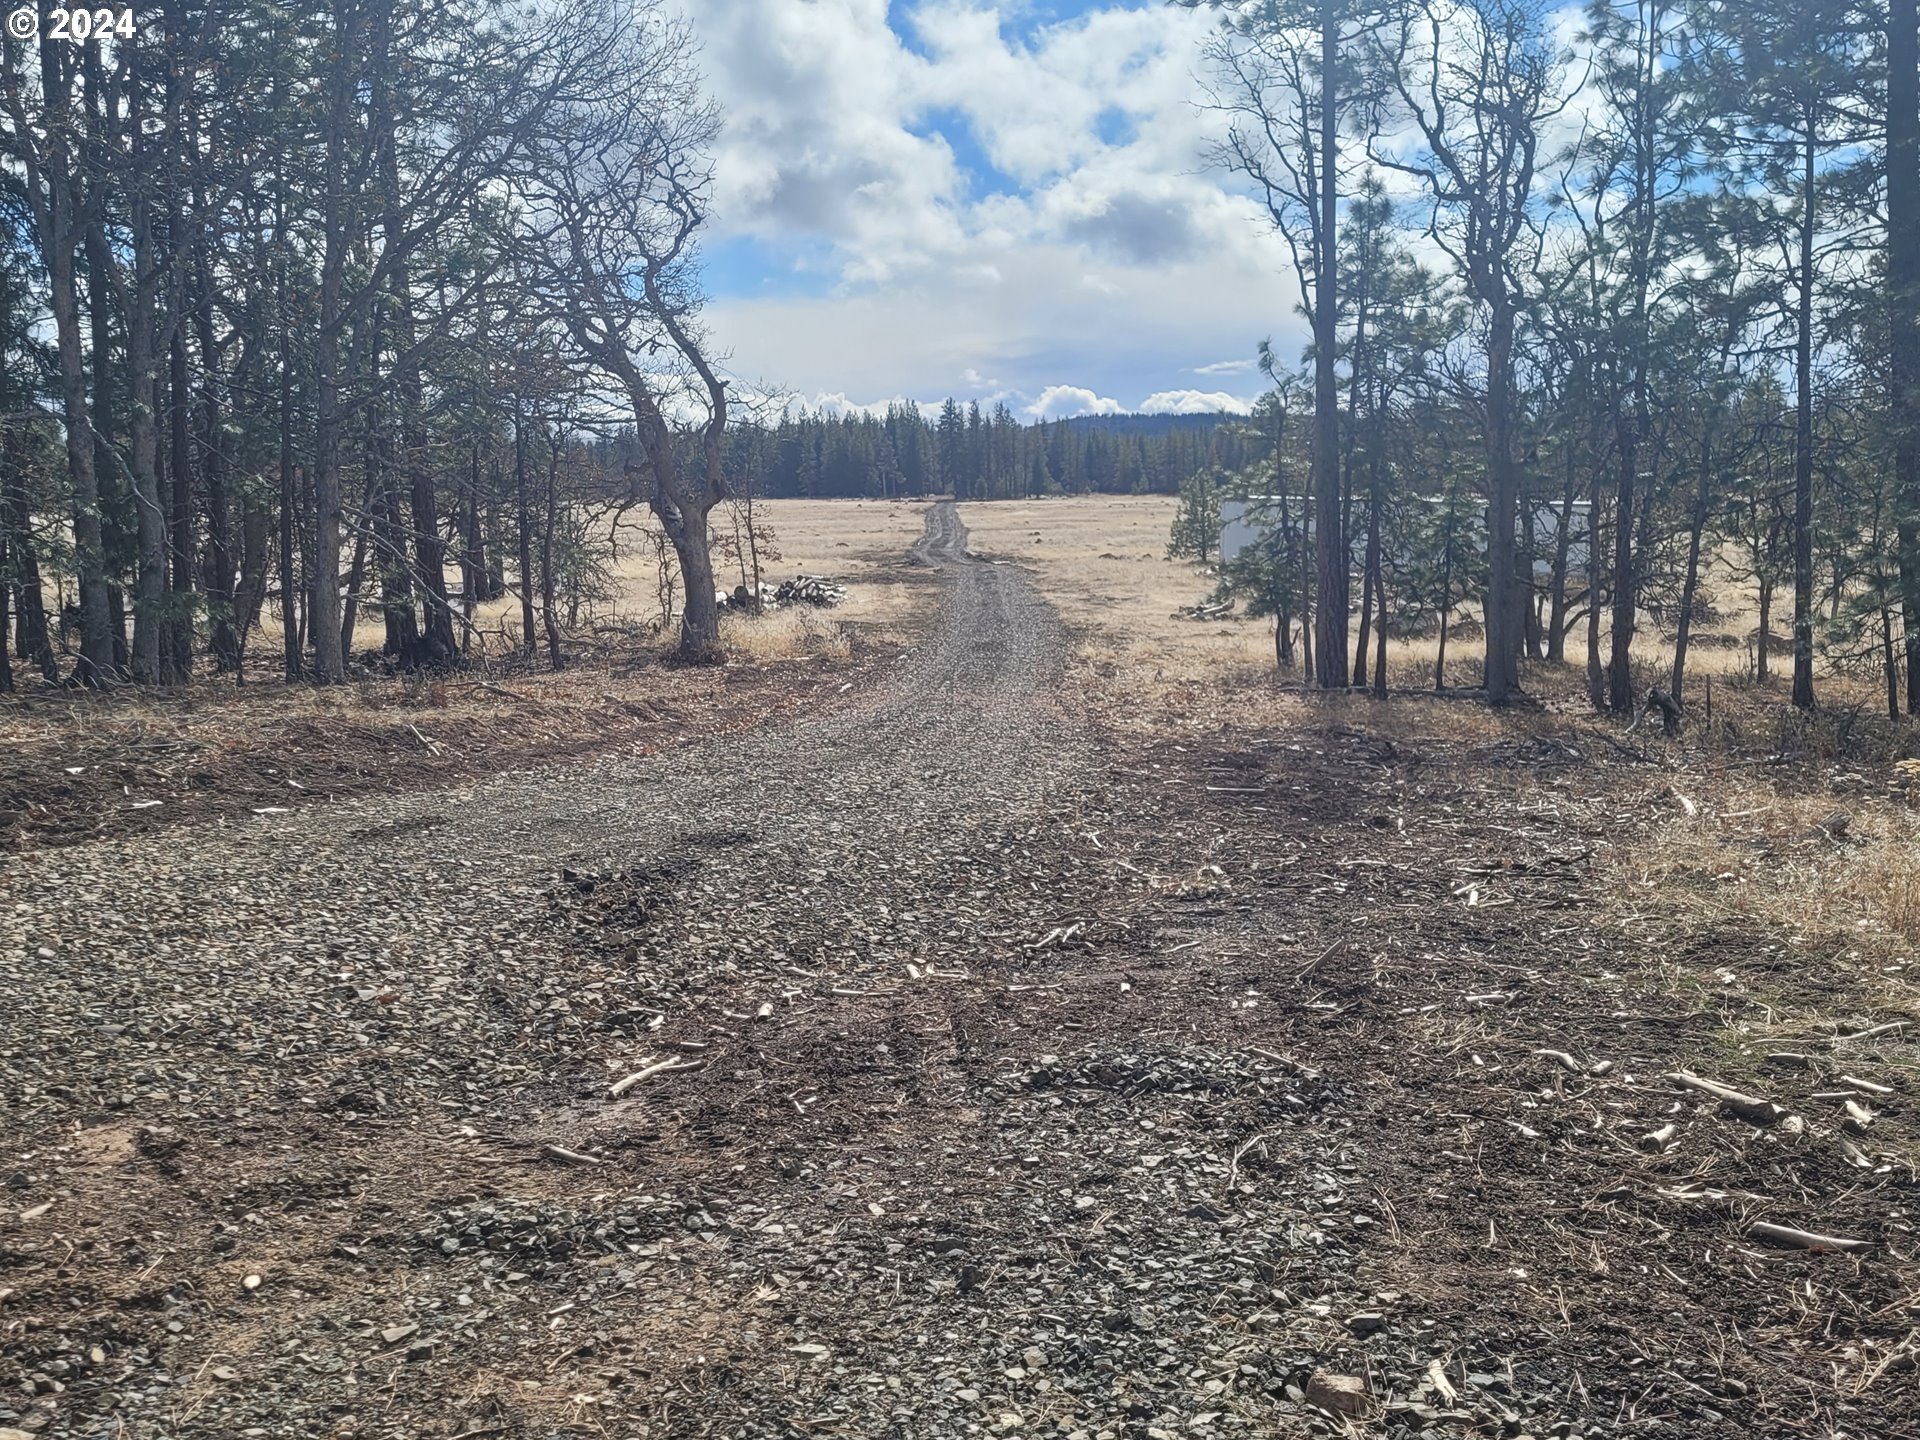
(614, 198)
(1281, 69)
(45, 140)
(1477, 79)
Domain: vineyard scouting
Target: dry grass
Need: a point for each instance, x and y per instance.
(1738, 848)
(858, 542)
(793, 634)
(1102, 560)
(75, 763)
(1758, 775)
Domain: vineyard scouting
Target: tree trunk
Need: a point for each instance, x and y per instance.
(1690, 586)
(547, 618)
(473, 561)
(324, 618)
(1380, 635)
(1903, 311)
(290, 489)
(31, 638)
(1596, 672)
(1372, 586)
(522, 511)
(1890, 667)
(1330, 557)
(1763, 656)
(224, 589)
(1557, 586)
(252, 591)
(1446, 605)
(1803, 437)
(59, 204)
(1502, 499)
(180, 471)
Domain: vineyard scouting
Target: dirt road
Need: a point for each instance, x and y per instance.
(993, 1078)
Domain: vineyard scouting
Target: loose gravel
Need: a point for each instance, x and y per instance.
(931, 1066)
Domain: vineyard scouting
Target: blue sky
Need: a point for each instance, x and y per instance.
(1004, 201)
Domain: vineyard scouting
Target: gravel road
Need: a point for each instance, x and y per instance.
(280, 1093)
(937, 1065)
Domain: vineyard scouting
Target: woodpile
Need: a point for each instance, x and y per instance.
(820, 591)
(1220, 610)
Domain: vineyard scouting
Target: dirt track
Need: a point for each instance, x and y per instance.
(1025, 1091)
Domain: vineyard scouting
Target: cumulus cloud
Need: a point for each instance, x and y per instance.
(1058, 402)
(986, 208)
(1194, 402)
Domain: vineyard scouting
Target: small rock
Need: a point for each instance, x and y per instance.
(1341, 1394)
(1367, 1322)
(394, 1334)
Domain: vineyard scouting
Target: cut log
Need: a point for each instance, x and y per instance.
(1659, 1140)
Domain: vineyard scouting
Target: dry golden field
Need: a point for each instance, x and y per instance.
(861, 543)
(1102, 560)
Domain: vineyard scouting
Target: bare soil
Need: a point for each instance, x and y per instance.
(1009, 1064)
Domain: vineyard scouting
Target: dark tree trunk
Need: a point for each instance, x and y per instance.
(180, 472)
(1330, 559)
(1903, 310)
(1446, 605)
(31, 637)
(1803, 437)
(1503, 640)
(1619, 663)
(554, 657)
(290, 490)
(1596, 672)
(1764, 653)
(1372, 584)
(1557, 586)
(521, 506)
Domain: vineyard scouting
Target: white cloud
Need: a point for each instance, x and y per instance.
(1194, 402)
(1224, 367)
(1113, 255)
(1057, 402)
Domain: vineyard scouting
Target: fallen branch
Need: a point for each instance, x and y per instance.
(572, 1157)
(1872, 1087)
(1874, 1032)
(620, 1087)
(493, 689)
(1751, 1108)
(1803, 1239)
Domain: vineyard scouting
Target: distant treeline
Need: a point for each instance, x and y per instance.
(977, 454)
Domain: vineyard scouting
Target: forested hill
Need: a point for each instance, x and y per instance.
(985, 454)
